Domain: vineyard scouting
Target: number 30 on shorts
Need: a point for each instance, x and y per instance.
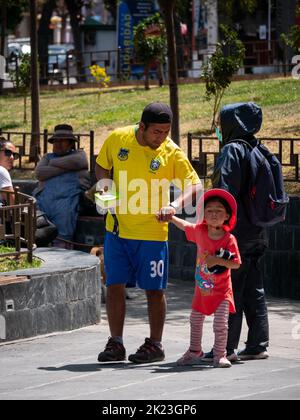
(157, 268)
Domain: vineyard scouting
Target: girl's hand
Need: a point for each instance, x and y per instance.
(211, 260)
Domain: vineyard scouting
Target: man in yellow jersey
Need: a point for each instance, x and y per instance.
(145, 161)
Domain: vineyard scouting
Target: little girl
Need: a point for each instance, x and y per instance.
(213, 290)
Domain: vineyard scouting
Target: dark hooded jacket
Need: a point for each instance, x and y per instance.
(239, 121)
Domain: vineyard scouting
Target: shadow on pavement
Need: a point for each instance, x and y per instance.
(154, 368)
(83, 367)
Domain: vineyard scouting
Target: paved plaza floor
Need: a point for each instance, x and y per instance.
(63, 366)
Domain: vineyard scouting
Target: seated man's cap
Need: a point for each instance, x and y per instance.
(61, 132)
(157, 113)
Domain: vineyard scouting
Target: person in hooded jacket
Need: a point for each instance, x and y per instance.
(242, 121)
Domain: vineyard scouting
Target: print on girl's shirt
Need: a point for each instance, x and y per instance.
(211, 289)
(204, 279)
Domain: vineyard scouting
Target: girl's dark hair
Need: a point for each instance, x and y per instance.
(221, 201)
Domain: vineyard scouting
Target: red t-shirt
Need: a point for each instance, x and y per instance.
(211, 289)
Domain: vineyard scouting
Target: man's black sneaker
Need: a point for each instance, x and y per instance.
(209, 357)
(248, 354)
(148, 352)
(231, 356)
(114, 352)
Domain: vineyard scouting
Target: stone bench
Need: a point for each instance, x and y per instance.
(63, 294)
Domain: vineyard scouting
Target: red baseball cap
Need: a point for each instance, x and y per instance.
(223, 195)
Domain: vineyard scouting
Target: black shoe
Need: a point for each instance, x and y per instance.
(114, 352)
(248, 354)
(149, 352)
(231, 356)
(209, 357)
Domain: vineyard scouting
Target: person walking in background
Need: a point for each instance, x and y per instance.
(135, 247)
(238, 124)
(217, 255)
(63, 176)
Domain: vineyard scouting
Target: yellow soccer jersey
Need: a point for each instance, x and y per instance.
(142, 178)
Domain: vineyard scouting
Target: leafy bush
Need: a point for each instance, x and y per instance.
(221, 66)
(100, 76)
(292, 39)
(150, 43)
(20, 77)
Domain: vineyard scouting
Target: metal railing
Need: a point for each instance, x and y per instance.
(260, 56)
(203, 152)
(18, 222)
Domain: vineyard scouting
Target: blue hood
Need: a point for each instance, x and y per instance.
(240, 121)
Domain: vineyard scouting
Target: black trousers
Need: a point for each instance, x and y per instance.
(249, 297)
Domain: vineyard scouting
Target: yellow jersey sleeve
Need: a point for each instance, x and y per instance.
(104, 158)
(184, 173)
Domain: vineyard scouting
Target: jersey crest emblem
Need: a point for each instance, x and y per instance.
(155, 164)
(123, 154)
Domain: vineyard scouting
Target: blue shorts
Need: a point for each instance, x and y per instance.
(133, 262)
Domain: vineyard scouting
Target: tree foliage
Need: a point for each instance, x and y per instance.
(183, 9)
(20, 76)
(228, 7)
(292, 38)
(221, 66)
(150, 43)
(111, 6)
(15, 10)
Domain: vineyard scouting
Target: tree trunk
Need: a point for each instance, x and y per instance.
(44, 33)
(147, 83)
(25, 109)
(75, 11)
(179, 46)
(167, 7)
(160, 74)
(3, 24)
(35, 90)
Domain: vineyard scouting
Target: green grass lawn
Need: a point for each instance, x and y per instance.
(13, 263)
(280, 99)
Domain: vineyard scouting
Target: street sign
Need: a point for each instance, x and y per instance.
(130, 13)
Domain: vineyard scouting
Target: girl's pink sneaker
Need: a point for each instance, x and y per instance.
(222, 363)
(190, 358)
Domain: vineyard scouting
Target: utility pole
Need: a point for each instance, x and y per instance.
(35, 89)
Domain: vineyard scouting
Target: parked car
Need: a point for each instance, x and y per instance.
(61, 62)
(61, 59)
(15, 50)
